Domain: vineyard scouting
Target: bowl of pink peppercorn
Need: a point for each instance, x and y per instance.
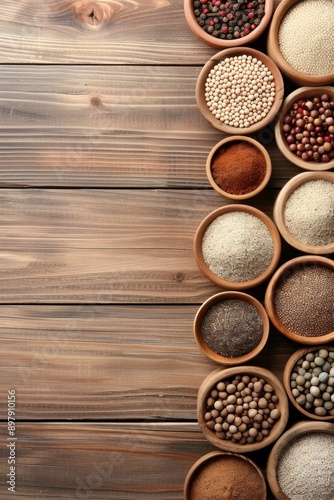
(304, 130)
(223, 24)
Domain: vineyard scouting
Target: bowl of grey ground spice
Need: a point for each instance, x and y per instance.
(301, 462)
(238, 167)
(242, 409)
(237, 247)
(231, 328)
(218, 474)
(299, 299)
(304, 212)
(308, 378)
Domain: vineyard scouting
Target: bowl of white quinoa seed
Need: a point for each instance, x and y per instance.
(304, 212)
(301, 462)
(239, 90)
(237, 246)
(300, 41)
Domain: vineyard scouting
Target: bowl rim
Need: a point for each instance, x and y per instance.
(298, 429)
(278, 211)
(273, 50)
(236, 51)
(221, 296)
(212, 456)
(219, 43)
(270, 291)
(224, 373)
(237, 285)
(257, 145)
(289, 100)
(290, 363)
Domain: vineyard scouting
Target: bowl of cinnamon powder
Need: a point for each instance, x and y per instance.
(238, 167)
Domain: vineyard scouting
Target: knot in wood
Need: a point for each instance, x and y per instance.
(93, 14)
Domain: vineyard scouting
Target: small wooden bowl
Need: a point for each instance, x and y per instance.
(279, 207)
(269, 300)
(300, 353)
(226, 142)
(224, 360)
(219, 43)
(232, 52)
(229, 373)
(274, 51)
(296, 431)
(259, 487)
(234, 285)
(300, 93)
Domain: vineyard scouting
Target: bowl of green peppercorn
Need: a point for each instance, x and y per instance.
(222, 24)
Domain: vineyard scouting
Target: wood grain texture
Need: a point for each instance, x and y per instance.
(108, 362)
(104, 246)
(109, 127)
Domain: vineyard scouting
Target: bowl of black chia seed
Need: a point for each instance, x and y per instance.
(222, 24)
(231, 327)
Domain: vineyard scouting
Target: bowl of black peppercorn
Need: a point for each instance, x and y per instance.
(222, 24)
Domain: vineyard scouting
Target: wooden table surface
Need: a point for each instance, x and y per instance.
(102, 177)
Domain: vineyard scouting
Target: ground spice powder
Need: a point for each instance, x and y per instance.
(238, 167)
(227, 478)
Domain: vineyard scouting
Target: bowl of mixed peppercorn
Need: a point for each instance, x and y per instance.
(222, 24)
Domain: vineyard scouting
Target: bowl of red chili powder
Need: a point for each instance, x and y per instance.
(238, 167)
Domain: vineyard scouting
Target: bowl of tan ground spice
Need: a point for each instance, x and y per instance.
(304, 212)
(231, 327)
(301, 462)
(238, 167)
(242, 409)
(299, 299)
(237, 246)
(225, 475)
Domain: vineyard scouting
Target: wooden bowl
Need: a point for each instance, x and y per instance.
(210, 382)
(236, 140)
(274, 51)
(219, 43)
(296, 95)
(225, 283)
(296, 431)
(279, 214)
(289, 366)
(220, 460)
(219, 297)
(283, 273)
(235, 52)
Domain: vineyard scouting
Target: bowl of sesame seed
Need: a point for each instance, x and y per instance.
(240, 91)
(237, 246)
(300, 41)
(223, 24)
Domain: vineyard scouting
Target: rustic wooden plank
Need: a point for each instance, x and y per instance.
(115, 461)
(104, 246)
(108, 127)
(108, 362)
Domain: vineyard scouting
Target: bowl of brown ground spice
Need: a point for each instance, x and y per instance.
(299, 299)
(231, 327)
(238, 167)
(218, 474)
(242, 409)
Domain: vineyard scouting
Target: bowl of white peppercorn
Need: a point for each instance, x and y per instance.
(222, 24)
(231, 328)
(301, 462)
(299, 299)
(308, 378)
(242, 409)
(300, 41)
(237, 246)
(304, 129)
(240, 90)
(303, 212)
